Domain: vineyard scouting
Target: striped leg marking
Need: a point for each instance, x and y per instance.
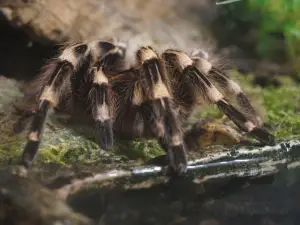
(50, 96)
(159, 111)
(34, 137)
(101, 108)
(228, 88)
(213, 96)
(205, 91)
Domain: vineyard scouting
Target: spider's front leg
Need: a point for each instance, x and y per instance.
(159, 110)
(56, 80)
(100, 100)
(92, 87)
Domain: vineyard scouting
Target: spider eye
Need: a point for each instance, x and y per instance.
(81, 49)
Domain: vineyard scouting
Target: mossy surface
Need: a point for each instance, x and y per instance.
(64, 145)
(283, 110)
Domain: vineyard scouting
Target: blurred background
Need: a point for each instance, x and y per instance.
(258, 41)
(257, 34)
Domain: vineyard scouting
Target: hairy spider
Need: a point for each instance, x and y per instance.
(150, 98)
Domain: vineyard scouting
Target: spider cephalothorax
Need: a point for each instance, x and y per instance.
(151, 99)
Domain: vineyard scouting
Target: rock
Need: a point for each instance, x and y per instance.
(51, 21)
(221, 202)
(23, 201)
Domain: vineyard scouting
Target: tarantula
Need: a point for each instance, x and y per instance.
(149, 98)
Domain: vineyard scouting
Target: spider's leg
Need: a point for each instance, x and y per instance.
(205, 91)
(210, 94)
(91, 86)
(49, 98)
(159, 111)
(228, 88)
(100, 100)
(65, 65)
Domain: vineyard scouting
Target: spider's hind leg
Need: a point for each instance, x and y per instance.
(226, 86)
(159, 110)
(202, 90)
(211, 94)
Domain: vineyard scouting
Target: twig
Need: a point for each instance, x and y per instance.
(237, 163)
(226, 2)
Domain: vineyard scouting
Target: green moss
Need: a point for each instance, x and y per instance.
(10, 144)
(283, 107)
(66, 147)
(139, 149)
(78, 151)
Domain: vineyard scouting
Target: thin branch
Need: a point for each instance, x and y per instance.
(226, 2)
(236, 163)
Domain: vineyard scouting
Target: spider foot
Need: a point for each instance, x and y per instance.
(104, 134)
(29, 153)
(177, 158)
(263, 136)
